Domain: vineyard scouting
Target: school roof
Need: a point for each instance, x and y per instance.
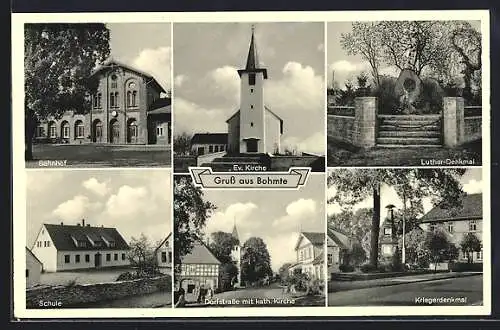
(161, 105)
(470, 208)
(64, 237)
(209, 138)
(200, 254)
(112, 63)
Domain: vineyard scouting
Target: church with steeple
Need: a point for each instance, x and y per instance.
(253, 128)
(236, 253)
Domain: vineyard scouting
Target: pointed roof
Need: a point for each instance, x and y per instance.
(235, 233)
(200, 254)
(253, 63)
(253, 56)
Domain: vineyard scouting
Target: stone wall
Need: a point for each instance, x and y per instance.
(76, 295)
(340, 128)
(472, 128)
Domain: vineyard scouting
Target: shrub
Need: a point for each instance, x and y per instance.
(345, 268)
(368, 268)
(127, 276)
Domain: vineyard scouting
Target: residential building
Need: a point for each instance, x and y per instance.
(199, 267)
(34, 269)
(163, 255)
(310, 258)
(338, 243)
(127, 108)
(208, 143)
(458, 222)
(81, 246)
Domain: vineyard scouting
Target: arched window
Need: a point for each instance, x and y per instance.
(113, 100)
(79, 130)
(52, 130)
(133, 131)
(65, 130)
(132, 94)
(99, 97)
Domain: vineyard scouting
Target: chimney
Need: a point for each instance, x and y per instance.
(83, 222)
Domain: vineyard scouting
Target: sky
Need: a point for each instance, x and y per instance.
(145, 46)
(349, 66)
(471, 183)
(276, 217)
(131, 201)
(206, 83)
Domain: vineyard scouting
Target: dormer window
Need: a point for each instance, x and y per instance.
(251, 79)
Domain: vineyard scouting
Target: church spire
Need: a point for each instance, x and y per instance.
(235, 231)
(253, 63)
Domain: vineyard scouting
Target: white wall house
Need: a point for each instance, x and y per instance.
(163, 254)
(34, 268)
(254, 128)
(68, 247)
(458, 222)
(208, 143)
(309, 255)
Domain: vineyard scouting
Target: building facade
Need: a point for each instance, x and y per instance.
(34, 269)
(127, 108)
(337, 243)
(68, 247)
(207, 143)
(163, 255)
(458, 222)
(254, 128)
(199, 268)
(310, 257)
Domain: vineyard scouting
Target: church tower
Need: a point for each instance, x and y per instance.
(236, 253)
(252, 111)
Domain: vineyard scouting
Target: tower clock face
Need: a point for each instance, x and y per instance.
(114, 113)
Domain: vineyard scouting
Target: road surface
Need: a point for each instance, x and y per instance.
(264, 296)
(152, 300)
(464, 291)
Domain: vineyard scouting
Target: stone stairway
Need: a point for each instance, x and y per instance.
(396, 131)
(247, 162)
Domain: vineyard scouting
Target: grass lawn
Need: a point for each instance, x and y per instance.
(405, 156)
(102, 155)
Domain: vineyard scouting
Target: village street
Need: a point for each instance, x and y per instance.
(269, 296)
(469, 287)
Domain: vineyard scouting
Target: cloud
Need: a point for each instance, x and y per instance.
(235, 213)
(156, 61)
(281, 249)
(179, 80)
(473, 187)
(99, 188)
(313, 144)
(226, 81)
(193, 118)
(298, 213)
(75, 209)
(127, 202)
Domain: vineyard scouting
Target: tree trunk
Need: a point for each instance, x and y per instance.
(375, 227)
(29, 132)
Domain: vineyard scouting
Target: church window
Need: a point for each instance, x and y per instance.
(251, 106)
(251, 90)
(251, 79)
